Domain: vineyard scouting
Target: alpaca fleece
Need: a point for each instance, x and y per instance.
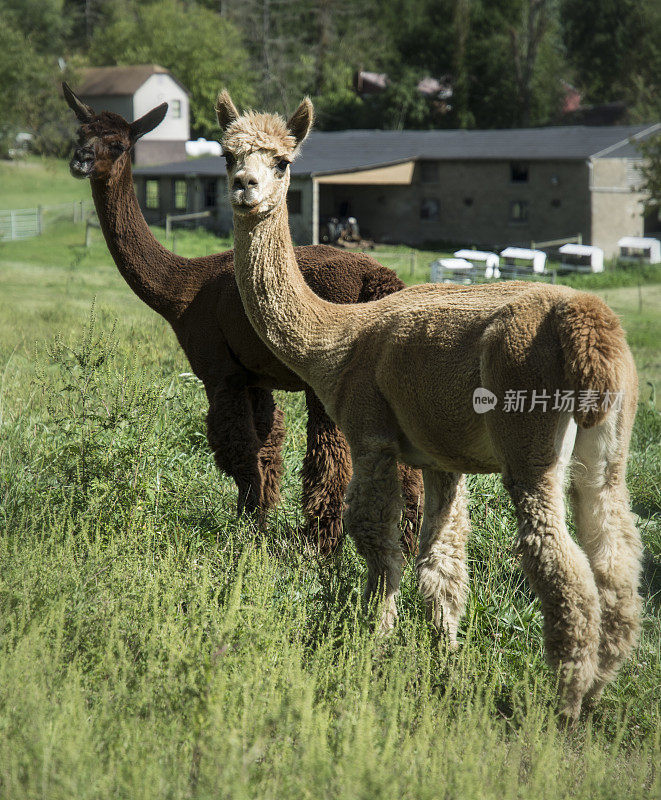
(398, 376)
(200, 300)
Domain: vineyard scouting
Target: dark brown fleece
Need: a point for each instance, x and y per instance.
(200, 300)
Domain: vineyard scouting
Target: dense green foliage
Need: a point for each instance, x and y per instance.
(28, 90)
(505, 61)
(151, 646)
(202, 49)
(614, 52)
(651, 174)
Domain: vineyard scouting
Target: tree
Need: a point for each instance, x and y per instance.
(43, 23)
(201, 49)
(650, 171)
(601, 38)
(313, 47)
(526, 41)
(29, 95)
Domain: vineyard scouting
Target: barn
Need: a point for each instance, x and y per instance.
(487, 188)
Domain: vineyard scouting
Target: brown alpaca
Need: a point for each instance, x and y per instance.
(200, 300)
(399, 376)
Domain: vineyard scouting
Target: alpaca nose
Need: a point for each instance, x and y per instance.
(85, 153)
(244, 180)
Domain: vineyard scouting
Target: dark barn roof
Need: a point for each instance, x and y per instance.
(123, 80)
(346, 151)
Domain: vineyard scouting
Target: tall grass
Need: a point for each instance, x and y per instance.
(151, 646)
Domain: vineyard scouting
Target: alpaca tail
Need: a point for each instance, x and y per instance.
(595, 350)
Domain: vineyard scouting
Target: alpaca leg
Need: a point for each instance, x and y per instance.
(326, 473)
(560, 574)
(270, 428)
(441, 563)
(606, 530)
(373, 510)
(414, 495)
(235, 444)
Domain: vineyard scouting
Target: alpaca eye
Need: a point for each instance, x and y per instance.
(117, 148)
(282, 165)
(229, 160)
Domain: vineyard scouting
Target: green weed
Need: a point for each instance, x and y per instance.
(152, 646)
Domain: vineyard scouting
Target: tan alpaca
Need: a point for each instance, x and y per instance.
(398, 377)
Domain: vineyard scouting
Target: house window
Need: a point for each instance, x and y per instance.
(180, 194)
(175, 109)
(152, 198)
(519, 211)
(210, 193)
(294, 202)
(518, 172)
(429, 172)
(430, 209)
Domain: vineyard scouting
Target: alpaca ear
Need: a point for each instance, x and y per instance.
(225, 110)
(82, 111)
(301, 120)
(148, 122)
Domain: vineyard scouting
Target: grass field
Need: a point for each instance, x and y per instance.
(35, 181)
(151, 646)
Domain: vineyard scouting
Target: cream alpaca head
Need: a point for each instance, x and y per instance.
(258, 149)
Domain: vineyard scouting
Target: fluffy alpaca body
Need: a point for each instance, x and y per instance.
(398, 376)
(200, 300)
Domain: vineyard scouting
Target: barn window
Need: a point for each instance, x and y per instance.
(430, 209)
(210, 193)
(180, 194)
(152, 198)
(294, 202)
(519, 211)
(429, 172)
(518, 172)
(175, 109)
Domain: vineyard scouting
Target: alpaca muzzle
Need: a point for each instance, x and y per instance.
(245, 200)
(82, 163)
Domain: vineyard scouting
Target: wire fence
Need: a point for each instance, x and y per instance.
(24, 223)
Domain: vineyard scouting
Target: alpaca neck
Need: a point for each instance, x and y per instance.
(155, 274)
(298, 326)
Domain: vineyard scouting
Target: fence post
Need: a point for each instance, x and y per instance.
(167, 225)
(12, 225)
(413, 259)
(88, 235)
(40, 220)
(580, 238)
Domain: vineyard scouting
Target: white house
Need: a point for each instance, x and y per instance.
(133, 91)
